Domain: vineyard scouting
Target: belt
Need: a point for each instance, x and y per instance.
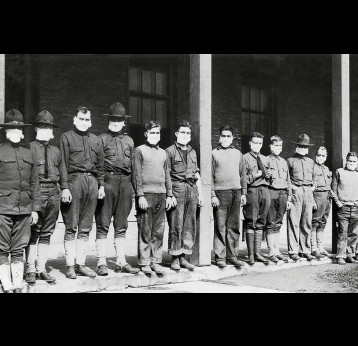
(115, 173)
(49, 185)
(85, 173)
(351, 204)
(188, 181)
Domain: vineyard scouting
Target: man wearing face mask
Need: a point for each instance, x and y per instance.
(303, 180)
(20, 200)
(153, 191)
(280, 195)
(345, 195)
(82, 184)
(322, 205)
(48, 159)
(184, 173)
(228, 194)
(118, 150)
(258, 198)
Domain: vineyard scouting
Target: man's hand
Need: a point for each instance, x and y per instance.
(268, 174)
(101, 193)
(215, 202)
(66, 196)
(243, 200)
(168, 203)
(288, 206)
(313, 188)
(315, 207)
(200, 200)
(258, 174)
(35, 218)
(340, 205)
(143, 204)
(174, 202)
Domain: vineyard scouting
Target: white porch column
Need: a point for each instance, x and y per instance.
(200, 117)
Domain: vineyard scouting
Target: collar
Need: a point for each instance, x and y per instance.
(178, 147)
(151, 145)
(14, 145)
(277, 157)
(298, 156)
(116, 134)
(254, 154)
(219, 147)
(42, 144)
(81, 133)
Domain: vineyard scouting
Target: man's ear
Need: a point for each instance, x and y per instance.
(145, 134)
(176, 134)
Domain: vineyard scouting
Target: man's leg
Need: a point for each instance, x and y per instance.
(250, 212)
(343, 215)
(6, 224)
(306, 223)
(352, 234)
(321, 227)
(282, 208)
(271, 223)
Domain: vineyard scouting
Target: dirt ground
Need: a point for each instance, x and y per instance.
(325, 278)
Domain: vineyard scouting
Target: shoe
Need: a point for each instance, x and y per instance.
(102, 270)
(30, 278)
(341, 261)
(350, 259)
(146, 269)
(237, 263)
(157, 268)
(46, 277)
(70, 273)
(274, 259)
(84, 271)
(17, 290)
(282, 257)
(317, 254)
(221, 264)
(259, 258)
(8, 291)
(184, 263)
(295, 257)
(127, 268)
(308, 256)
(175, 264)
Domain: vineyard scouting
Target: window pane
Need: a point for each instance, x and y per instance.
(265, 124)
(134, 109)
(147, 81)
(254, 123)
(133, 79)
(245, 123)
(161, 112)
(264, 101)
(148, 106)
(245, 100)
(254, 99)
(161, 83)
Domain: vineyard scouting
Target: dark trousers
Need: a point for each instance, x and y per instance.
(182, 219)
(151, 223)
(347, 231)
(48, 215)
(257, 206)
(78, 215)
(277, 210)
(15, 231)
(227, 224)
(117, 203)
(300, 221)
(319, 219)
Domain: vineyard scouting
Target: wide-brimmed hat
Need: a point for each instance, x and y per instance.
(13, 118)
(303, 140)
(44, 118)
(117, 110)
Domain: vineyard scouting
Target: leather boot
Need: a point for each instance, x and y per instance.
(257, 247)
(270, 240)
(5, 277)
(17, 273)
(250, 240)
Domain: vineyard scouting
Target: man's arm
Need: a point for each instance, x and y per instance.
(34, 187)
(243, 177)
(334, 190)
(168, 180)
(64, 149)
(213, 194)
(99, 163)
(137, 180)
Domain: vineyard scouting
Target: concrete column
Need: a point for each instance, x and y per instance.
(340, 120)
(200, 117)
(2, 88)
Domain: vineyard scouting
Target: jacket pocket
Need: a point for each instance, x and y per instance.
(178, 166)
(76, 155)
(5, 192)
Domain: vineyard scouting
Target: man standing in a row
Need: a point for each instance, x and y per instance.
(82, 184)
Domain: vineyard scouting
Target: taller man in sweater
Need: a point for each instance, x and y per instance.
(153, 191)
(228, 193)
(258, 198)
(345, 195)
(184, 173)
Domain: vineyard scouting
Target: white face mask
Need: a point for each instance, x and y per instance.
(115, 126)
(351, 165)
(183, 135)
(302, 151)
(82, 125)
(225, 141)
(14, 135)
(321, 159)
(44, 134)
(255, 147)
(276, 149)
(153, 138)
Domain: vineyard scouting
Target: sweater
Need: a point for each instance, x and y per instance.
(345, 185)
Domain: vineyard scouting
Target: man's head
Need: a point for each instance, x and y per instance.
(44, 126)
(13, 125)
(321, 155)
(117, 117)
(302, 144)
(152, 132)
(276, 145)
(183, 132)
(256, 141)
(226, 135)
(82, 119)
(352, 161)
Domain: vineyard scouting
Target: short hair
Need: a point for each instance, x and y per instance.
(351, 153)
(257, 135)
(81, 109)
(275, 138)
(226, 128)
(322, 148)
(151, 124)
(182, 123)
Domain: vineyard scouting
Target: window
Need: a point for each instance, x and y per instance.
(256, 107)
(148, 96)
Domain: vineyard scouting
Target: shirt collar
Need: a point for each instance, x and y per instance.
(152, 146)
(178, 147)
(81, 133)
(41, 144)
(254, 154)
(277, 157)
(298, 156)
(219, 147)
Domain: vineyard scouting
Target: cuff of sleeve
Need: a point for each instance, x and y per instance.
(170, 193)
(251, 178)
(244, 191)
(289, 198)
(36, 208)
(213, 194)
(100, 183)
(64, 186)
